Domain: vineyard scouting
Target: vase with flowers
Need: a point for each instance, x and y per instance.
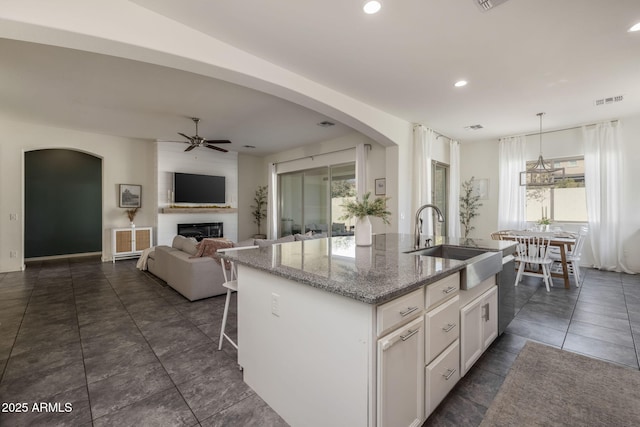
(544, 223)
(362, 210)
(131, 213)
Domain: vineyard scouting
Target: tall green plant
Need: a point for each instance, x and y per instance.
(259, 211)
(469, 204)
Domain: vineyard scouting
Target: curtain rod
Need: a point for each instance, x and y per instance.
(368, 146)
(572, 128)
(436, 132)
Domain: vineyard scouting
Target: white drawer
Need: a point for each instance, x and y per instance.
(441, 375)
(399, 311)
(442, 327)
(442, 290)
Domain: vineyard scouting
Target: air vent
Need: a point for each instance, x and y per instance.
(485, 5)
(473, 127)
(606, 101)
(326, 124)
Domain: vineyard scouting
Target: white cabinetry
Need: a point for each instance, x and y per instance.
(442, 355)
(400, 385)
(130, 242)
(479, 327)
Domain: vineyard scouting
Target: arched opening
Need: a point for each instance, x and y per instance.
(63, 203)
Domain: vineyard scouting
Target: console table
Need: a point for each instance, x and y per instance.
(130, 242)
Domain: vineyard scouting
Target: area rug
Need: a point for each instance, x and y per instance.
(550, 387)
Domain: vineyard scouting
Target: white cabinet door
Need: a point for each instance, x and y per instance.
(471, 335)
(400, 397)
(490, 317)
(478, 327)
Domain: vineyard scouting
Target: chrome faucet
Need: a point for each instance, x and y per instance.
(417, 226)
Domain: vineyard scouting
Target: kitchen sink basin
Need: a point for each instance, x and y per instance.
(480, 264)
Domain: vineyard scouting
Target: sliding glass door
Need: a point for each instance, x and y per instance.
(310, 200)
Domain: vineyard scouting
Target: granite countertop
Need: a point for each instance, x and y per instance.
(374, 274)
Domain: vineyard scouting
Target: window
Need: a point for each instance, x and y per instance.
(440, 194)
(312, 199)
(566, 202)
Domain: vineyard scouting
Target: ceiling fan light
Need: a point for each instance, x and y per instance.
(372, 6)
(635, 28)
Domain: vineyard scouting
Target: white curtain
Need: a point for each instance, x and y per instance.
(423, 140)
(453, 228)
(273, 201)
(361, 170)
(603, 183)
(511, 195)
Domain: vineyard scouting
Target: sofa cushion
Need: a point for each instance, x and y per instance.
(190, 246)
(209, 247)
(243, 243)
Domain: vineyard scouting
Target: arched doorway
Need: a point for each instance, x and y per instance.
(63, 203)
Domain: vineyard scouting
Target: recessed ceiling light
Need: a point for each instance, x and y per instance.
(460, 83)
(635, 28)
(372, 6)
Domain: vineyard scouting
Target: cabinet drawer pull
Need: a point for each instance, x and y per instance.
(449, 373)
(449, 290)
(409, 335)
(408, 311)
(449, 327)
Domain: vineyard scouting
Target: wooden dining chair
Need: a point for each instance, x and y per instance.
(499, 235)
(572, 256)
(532, 254)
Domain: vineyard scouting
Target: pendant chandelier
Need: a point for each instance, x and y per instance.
(541, 174)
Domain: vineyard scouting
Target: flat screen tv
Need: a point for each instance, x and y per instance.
(192, 188)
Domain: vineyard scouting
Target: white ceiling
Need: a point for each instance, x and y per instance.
(521, 58)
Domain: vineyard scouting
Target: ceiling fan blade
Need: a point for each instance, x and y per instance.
(188, 137)
(217, 141)
(213, 147)
(191, 147)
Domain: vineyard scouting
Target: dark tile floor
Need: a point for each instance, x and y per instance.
(124, 349)
(600, 319)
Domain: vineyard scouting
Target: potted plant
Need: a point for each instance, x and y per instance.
(469, 204)
(362, 210)
(544, 223)
(259, 211)
(131, 213)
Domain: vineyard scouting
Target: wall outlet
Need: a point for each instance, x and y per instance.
(13, 254)
(13, 217)
(275, 304)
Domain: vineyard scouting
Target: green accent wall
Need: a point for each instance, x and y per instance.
(63, 203)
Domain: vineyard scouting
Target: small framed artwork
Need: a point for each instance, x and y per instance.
(381, 186)
(130, 196)
(481, 188)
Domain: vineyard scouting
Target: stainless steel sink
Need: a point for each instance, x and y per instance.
(481, 264)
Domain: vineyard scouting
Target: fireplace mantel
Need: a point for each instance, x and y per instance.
(198, 210)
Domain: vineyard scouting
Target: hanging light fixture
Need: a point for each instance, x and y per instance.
(541, 174)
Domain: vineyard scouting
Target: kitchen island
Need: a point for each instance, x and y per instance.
(334, 334)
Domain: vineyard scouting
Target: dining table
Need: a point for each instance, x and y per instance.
(563, 240)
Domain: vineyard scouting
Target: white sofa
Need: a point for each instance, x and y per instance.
(198, 277)
(194, 278)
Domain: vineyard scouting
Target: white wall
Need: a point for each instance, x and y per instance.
(124, 161)
(252, 173)
(480, 159)
(171, 158)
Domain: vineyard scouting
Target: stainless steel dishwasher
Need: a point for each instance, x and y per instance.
(506, 293)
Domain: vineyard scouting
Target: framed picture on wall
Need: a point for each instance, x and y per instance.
(381, 186)
(130, 196)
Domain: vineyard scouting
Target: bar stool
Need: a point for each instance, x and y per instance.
(231, 283)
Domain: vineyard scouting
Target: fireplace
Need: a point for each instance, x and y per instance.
(201, 231)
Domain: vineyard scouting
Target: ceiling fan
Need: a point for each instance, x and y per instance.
(198, 141)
